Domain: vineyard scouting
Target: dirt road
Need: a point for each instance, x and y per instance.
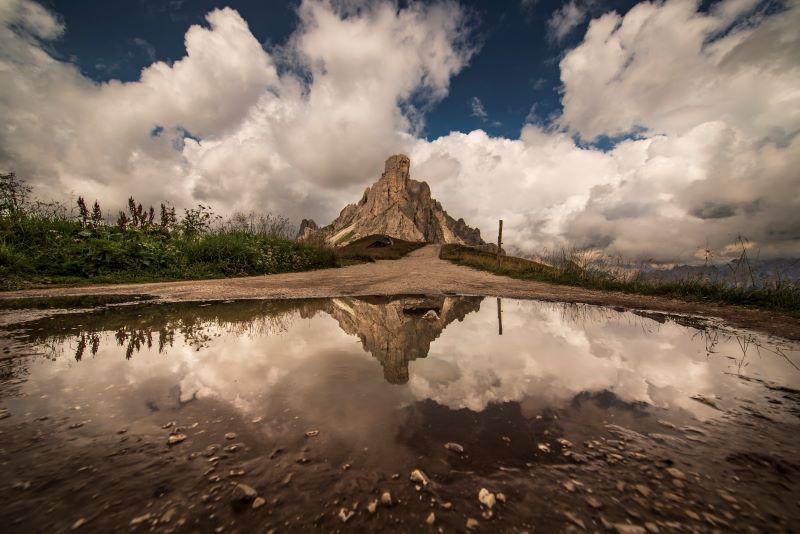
(422, 272)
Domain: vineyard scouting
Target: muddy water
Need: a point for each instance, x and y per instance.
(284, 416)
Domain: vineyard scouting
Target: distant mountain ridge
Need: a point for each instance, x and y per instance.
(397, 206)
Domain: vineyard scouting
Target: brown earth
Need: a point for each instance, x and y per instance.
(422, 272)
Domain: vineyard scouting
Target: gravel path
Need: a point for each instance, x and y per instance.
(422, 272)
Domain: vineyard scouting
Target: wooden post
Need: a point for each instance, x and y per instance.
(499, 242)
(499, 317)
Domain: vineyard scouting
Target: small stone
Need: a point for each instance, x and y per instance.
(78, 524)
(418, 476)
(675, 473)
(446, 505)
(236, 472)
(692, 515)
(643, 490)
(651, 527)
(345, 467)
(487, 514)
(386, 498)
(593, 502)
(372, 506)
(139, 520)
(569, 486)
(472, 524)
(455, 447)
(431, 519)
(575, 519)
(231, 448)
(345, 515)
(168, 425)
(258, 502)
(501, 497)
(627, 528)
(174, 439)
(564, 442)
(230, 435)
(486, 498)
(543, 447)
(243, 492)
(257, 419)
(312, 433)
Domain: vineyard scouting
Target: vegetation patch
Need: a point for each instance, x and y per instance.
(375, 247)
(42, 244)
(571, 268)
(66, 302)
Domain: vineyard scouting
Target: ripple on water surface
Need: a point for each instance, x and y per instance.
(290, 415)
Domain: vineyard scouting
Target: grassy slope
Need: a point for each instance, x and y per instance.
(365, 249)
(41, 252)
(785, 299)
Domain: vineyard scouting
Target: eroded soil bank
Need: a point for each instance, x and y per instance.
(423, 273)
(372, 414)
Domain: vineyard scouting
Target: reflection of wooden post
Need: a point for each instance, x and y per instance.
(499, 317)
(499, 241)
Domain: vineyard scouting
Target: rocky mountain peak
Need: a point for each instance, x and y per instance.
(398, 206)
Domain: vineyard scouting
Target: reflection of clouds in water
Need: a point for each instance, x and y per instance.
(546, 354)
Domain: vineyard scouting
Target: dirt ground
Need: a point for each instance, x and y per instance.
(422, 272)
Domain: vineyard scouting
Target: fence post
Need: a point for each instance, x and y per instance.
(499, 242)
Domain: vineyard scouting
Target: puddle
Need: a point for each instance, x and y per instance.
(289, 415)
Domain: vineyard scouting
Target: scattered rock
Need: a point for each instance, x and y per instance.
(501, 497)
(418, 476)
(243, 492)
(543, 447)
(167, 516)
(455, 447)
(231, 448)
(386, 498)
(564, 443)
(569, 486)
(431, 519)
(168, 425)
(472, 524)
(140, 519)
(257, 419)
(258, 502)
(372, 506)
(705, 400)
(593, 502)
(487, 498)
(676, 473)
(627, 528)
(236, 472)
(651, 527)
(230, 435)
(345, 515)
(174, 439)
(643, 490)
(78, 524)
(574, 519)
(312, 433)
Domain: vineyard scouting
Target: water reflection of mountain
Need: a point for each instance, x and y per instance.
(396, 330)
(393, 329)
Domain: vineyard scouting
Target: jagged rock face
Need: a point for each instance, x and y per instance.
(307, 228)
(399, 207)
(396, 331)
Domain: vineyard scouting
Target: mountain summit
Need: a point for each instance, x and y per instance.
(396, 206)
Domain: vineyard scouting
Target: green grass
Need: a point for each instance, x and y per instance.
(784, 298)
(38, 251)
(375, 247)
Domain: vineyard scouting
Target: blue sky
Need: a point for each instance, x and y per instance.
(648, 129)
(514, 73)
